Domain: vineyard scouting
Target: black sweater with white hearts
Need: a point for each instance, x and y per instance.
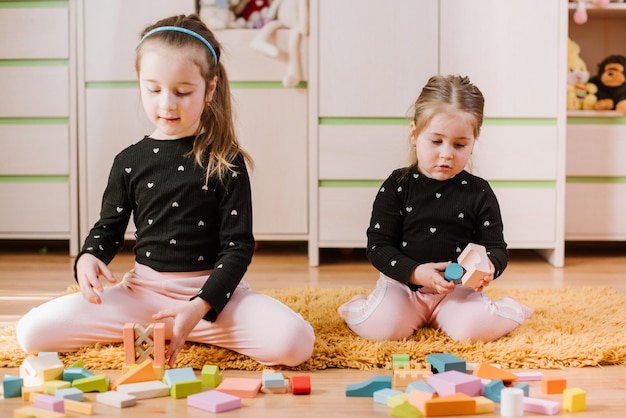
(182, 223)
(417, 219)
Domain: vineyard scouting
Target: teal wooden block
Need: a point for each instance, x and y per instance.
(369, 386)
(421, 386)
(74, 394)
(12, 386)
(72, 373)
(444, 362)
(492, 390)
(184, 374)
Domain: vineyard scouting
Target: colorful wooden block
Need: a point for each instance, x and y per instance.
(475, 261)
(300, 384)
(37, 370)
(402, 377)
(456, 404)
(211, 376)
(70, 393)
(243, 387)
(487, 371)
(400, 360)
(493, 389)
(528, 376)
(397, 399)
(381, 396)
(31, 411)
(511, 402)
(453, 381)
(418, 398)
(214, 401)
(12, 386)
(143, 372)
(273, 380)
(145, 390)
(367, 387)
(116, 399)
(525, 387)
(420, 385)
(541, 406)
(84, 408)
(50, 387)
(574, 400)
(144, 343)
(181, 390)
(553, 385)
(183, 374)
(49, 403)
(406, 410)
(72, 373)
(97, 383)
(443, 362)
(453, 273)
(484, 405)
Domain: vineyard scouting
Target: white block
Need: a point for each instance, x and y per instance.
(511, 402)
(116, 399)
(145, 390)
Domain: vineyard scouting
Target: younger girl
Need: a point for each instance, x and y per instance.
(187, 188)
(423, 217)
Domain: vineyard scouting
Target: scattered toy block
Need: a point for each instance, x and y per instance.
(211, 376)
(28, 392)
(453, 381)
(143, 372)
(528, 376)
(72, 373)
(512, 402)
(456, 404)
(128, 336)
(553, 385)
(418, 398)
(184, 374)
(487, 371)
(50, 387)
(70, 393)
(381, 396)
(145, 390)
(41, 369)
(400, 360)
(49, 403)
(367, 387)
(144, 343)
(243, 387)
(406, 410)
(453, 273)
(214, 401)
(273, 380)
(12, 386)
(184, 389)
(158, 337)
(525, 387)
(475, 261)
(97, 383)
(444, 362)
(402, 377)
(420, 385)
(398, 399)
(80, 363)
(541, 406)
(484, 405)
(493, 389)
(116, 399)
(84, 408)
(300, 384)
(31, 411)
(574, 400)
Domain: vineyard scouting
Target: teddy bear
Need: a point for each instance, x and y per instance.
(218, 14)
(580, 93)
(611, 83)
(252, 14)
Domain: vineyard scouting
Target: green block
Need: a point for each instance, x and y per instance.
(211, 376)
(183, 389)
(97, 383)
(50, 387)
(406, 410)
(399, 359)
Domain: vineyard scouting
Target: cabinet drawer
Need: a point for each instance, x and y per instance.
(244, 63)
(112, 32)
(362, 152)
(595, 211)
(529, 216)
(34, 91)
(34, 149)
(596, 150)
(523, 152)
(37, 207)
(34, 33)
(344, 215)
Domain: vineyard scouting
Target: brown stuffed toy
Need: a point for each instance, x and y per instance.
(611, 82)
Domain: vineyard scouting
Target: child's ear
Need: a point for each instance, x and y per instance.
(210, 90)
(413, 133)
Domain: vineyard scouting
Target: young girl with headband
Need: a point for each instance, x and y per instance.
(187, 187)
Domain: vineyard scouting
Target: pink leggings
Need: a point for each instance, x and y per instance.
(393, 312)
(252, 323)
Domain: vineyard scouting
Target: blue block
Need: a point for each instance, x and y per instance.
(369, 386)
(381, 396)
(273, 380)
(525, 387)
(444, 362)
(453, 273)
(184, 374)
(421, 386)
(72, 373)
(492, 390)
(70, 393)
(12, 386)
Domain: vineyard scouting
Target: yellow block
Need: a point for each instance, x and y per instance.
(484, 405)
(84, 408)
(574, 400)
(31, 411)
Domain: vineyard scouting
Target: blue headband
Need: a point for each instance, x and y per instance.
(182, 30)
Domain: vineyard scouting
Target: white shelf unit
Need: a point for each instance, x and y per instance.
(367, 77)
(38, 181)
(596, 141)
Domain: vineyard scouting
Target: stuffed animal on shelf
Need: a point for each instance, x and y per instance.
(293, 15)
(611, 83)
(580, 93)
(218, 14)
(580, 14)
(252, 14)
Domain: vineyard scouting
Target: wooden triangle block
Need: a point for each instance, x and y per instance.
(487, 371)
(143, 372)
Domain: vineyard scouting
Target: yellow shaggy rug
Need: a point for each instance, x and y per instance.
(571, 327)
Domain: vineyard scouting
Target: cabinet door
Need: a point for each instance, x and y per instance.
(511, 52)
(374, 56)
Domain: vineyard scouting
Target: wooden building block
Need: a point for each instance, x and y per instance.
(553, 385)
(144, 343)
(402, 377)
(397, 399)
(211, 376)
(443, 362)
(31, 411)
(420, 385)
(243, 387)
(29, 392)
(457, 404)
(70, 393)
(128, 335)
(381, 396)
(487, 371)
(181, 390)
(525, 387)
(300, 384)
(143, 372)
(116, 399)
(418, 398)
(97, 383)
(475, 261)
(273, 380)
(12, 386)
(511, 402)
(214, 401)
(528, 376)
(574, 400)
(406, 410)
(49, 403)
(84, 408)
(493, 389)
(72, 373)
(367, 387)
(183, 374)
(50, 387)
(541, 406)
(484, 405)
(400, 360)
(145, 390)
(448, 383)
(37, 370)
(453, 273)
(158, 339)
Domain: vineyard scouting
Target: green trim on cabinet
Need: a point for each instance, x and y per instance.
(34, 179)
(596, 180)
(519, 121)
(39, 62)
(363, 121)
(111, 84)
(34, 121)
(596, 120)
(33, 4)
(526, 184)
(264, 85)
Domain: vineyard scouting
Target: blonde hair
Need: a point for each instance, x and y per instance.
(216, 145)
(446, 93)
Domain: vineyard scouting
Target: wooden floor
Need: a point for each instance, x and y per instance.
(32, 273)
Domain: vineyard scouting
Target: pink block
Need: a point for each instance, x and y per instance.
(541, 406)
(214, 401)
(454, 381)
(50, 403)
(528, 376)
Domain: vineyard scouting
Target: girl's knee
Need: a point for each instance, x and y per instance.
(291, 347)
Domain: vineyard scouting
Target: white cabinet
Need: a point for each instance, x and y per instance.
(37, 122)
(368, 76)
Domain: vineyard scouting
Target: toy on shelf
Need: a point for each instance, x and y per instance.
(611, 83)
(581, 94)
(252, 14)
(293, 15)
(580, 14)
(218, 14)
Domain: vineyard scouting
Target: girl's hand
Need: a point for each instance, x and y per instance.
(484, 282)
(88, 270)
(185, 317)
(431, 275)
